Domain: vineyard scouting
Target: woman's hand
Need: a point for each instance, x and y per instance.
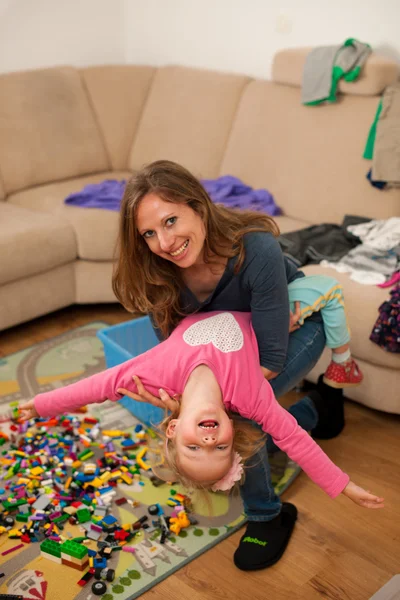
(268, 374)
(294, 318)
(362, 497)
(164, 401)
(28, 411)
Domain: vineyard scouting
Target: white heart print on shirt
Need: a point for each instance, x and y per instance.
(223, 331)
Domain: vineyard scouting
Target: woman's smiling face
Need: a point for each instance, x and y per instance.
(173, 231)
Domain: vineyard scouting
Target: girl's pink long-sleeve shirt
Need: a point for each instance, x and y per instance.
(226, 343)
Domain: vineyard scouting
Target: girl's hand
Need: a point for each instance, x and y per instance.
(294, 318)
(362, 497)
(28, 411)
(164, 401)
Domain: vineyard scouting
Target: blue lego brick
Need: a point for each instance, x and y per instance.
(100, 563)
(109, 520)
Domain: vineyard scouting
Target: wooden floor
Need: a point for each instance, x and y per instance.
(338, 550)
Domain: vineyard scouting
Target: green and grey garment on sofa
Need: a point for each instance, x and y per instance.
(326, 65)
(383, 144)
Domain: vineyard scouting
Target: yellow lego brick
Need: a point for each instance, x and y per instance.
(14, 532)
(97, 482)
(141, 452)
(37, 471)
(105, 476)
(124, 469)
(142, 464)
(76, 464)
(126, 479)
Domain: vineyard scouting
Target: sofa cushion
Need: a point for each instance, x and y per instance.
(187, 118)
(288, 224)
(48, 129)
(362, 303)
(118, 94)
(95, 229)
(313, 176)
(37, 295)
(377, 72)
(32, 242)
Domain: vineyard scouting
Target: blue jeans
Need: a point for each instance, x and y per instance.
(305, 347)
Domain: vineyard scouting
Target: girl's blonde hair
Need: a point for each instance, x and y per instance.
(146, 283)
(247, 440)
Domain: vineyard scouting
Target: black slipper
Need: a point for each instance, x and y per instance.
(329, 404)
(264, 542)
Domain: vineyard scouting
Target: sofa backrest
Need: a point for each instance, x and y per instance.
(118, 94)
(187, 118)
(310, 158)
(48, 129)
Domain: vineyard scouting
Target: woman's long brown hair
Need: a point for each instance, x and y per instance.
(146, 283)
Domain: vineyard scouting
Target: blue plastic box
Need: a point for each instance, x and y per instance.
(122, 342)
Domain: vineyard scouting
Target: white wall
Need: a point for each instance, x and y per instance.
(234, 35)
(243, 35)
(41, 33)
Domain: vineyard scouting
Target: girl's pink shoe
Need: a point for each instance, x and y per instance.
(342, 375)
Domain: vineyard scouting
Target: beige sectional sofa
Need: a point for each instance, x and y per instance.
(62, 128)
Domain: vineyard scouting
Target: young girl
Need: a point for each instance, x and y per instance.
(321, 293)
(211, 360)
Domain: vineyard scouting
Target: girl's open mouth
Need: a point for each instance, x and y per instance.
(208, 424)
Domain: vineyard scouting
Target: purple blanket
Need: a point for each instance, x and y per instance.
(226, 190)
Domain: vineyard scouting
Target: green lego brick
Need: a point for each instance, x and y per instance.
(74, 549)
(85, 454)
(61, 519)
(83, 515)
(51, 547)
(24, 518)
(2, 441)
(14, 505)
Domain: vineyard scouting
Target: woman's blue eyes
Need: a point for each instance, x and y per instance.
(168, 222)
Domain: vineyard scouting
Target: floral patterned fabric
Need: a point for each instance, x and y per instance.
(386, 331)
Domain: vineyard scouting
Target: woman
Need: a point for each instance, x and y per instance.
(179, 253)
